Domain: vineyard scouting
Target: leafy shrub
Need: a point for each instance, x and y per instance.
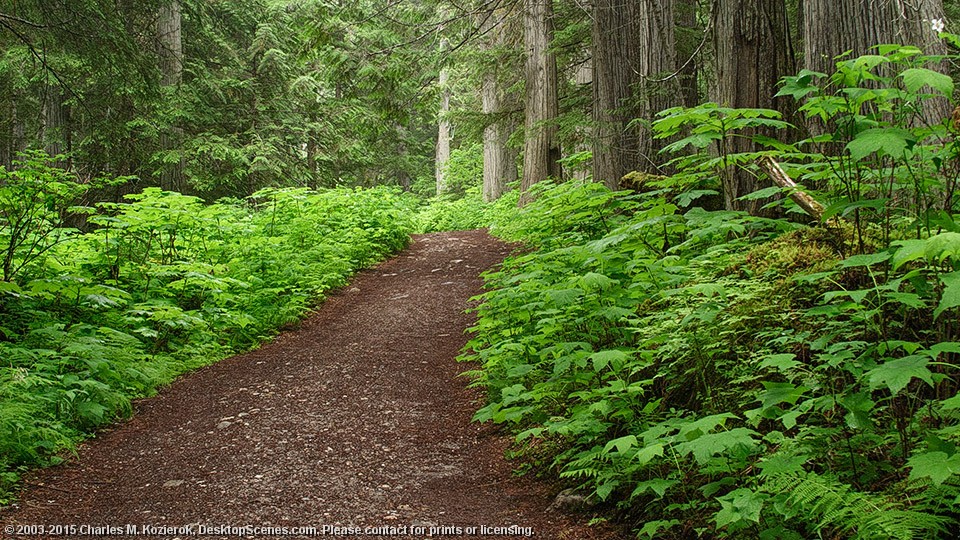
(709, 373)
(454, 213)
(162, 284)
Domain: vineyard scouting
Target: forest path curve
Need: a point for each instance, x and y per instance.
(356, 418)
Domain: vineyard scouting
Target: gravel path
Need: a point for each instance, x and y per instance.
(355, 420)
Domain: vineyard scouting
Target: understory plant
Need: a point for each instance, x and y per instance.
(707, 373)
(135, 293)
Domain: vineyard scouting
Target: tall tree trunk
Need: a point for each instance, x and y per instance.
(583, 78)
(443, 130)
(170, 45)
(833, 27)
(541, 152)
(312, 162)
(499, 159)
(169, 35)
(616, 66)
(689, 36)
(56, 125)
(13, 142)
(753, 50)
(635, 77)
(659, 86)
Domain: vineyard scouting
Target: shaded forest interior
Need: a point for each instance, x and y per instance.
(738, 313)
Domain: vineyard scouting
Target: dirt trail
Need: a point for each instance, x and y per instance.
(355, 419)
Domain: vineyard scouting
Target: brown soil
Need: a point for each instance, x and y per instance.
(355, 419)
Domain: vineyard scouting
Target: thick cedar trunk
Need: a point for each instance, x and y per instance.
(660, 83)
(833, 27)
(753, 50)
(443, 128)
(499, 159)
(541, 152)
(170, 50)
(616, 64)
(171, 43)
(634, 65)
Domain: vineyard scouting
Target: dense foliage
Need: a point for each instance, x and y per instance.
(701, 372)
(161, 284)
(712, 373)
(265, 93)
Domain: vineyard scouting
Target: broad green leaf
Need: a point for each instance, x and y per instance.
(622, 444)
(799, 86)
(656, 485)
(942, 246)
(892, 142)
(563, 297)
(869, 259)
(706, 446)
(606, 488)
(595, 281)
(778, 464)
(739, 505)
(781, 362)
(776, 393)
(706, 289)
(10, 287)
(916, 78)
(909, 250)
(897, 374)
(858, 408)
(520, 370)
(613, 358)
(764, 193)
(652, 529)
(951, 404)
(692, 430)
(951, 293)
(647, 453)
(886, 347)
(943, 347)
(937, 466)
(908, 299)
(844, 207)
(789, 419)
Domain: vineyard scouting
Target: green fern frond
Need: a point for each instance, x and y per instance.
(832, 505)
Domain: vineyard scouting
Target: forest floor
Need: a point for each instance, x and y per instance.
(356, 418)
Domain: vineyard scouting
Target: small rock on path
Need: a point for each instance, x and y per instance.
(355, 419)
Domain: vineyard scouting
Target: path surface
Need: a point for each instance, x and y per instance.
(355, 419)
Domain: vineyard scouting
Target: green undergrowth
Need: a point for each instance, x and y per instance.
(713, 374)
(160, 284)
(465, 212)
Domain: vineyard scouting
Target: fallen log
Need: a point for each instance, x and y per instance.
(776, 173)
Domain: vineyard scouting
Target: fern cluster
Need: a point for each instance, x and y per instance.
(836, 508)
